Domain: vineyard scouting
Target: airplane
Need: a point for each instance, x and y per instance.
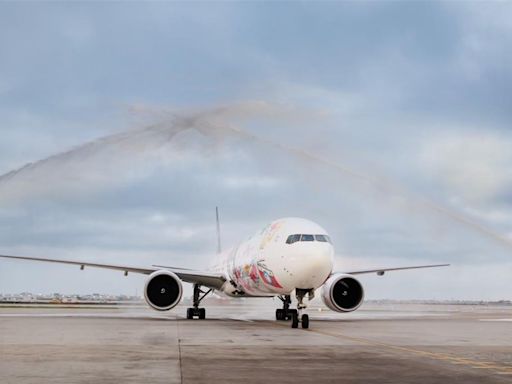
(289, 256)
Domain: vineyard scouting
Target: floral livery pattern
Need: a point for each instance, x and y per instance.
(255, 276)
(267, 275)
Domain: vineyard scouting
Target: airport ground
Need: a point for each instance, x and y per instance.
(380, 343)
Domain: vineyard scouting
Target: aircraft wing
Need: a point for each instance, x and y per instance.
(208, 279)
(380, 271)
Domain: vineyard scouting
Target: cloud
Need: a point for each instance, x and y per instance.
(472, 165)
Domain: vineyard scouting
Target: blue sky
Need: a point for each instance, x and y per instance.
(415, 96)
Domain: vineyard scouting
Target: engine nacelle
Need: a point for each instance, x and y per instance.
(163, 290)
(342, 293)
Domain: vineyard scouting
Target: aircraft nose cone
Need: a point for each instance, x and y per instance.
(309, 266)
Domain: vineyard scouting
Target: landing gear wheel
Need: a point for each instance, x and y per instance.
(295, 320)
(200, 313)
(291, 313)
(284, 313)
(305, 321)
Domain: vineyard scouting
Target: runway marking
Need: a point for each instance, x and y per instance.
(178, 337)
(452, 359)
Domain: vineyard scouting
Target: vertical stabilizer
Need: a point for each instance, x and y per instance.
(219, 247)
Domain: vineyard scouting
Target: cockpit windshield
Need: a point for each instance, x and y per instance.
(292, 239)
(322, 238)
(304, 237)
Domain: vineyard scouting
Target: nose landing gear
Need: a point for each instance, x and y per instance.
(304, 321)
(303, 318)
(295, 315)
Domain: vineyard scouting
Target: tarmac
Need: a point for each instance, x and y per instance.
(380, 343)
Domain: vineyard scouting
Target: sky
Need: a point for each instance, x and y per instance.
(388, 123)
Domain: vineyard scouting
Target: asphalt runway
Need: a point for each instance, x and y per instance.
(242, 344)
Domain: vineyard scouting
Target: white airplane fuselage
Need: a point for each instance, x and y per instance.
(288, 254)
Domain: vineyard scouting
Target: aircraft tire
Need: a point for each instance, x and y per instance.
(295, 320)
(305, 321)
(289, 314)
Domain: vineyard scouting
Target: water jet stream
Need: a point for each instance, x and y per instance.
(214, 123)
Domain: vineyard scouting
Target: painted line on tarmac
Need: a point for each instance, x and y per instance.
(452, 359)
(85, 315)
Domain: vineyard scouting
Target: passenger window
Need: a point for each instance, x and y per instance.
(292, 239)
(307, 238)
(321, 238)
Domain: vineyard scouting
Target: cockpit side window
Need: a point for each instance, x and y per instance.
(307, 238)
(321, 238)
(292, 239)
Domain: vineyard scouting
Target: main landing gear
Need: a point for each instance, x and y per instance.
(285, 313)
(195, 311)
(295, 315)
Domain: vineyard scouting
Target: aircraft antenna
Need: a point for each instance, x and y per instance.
(219, 247)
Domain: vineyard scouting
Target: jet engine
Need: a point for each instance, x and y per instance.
(342, 293)
(163, 290)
